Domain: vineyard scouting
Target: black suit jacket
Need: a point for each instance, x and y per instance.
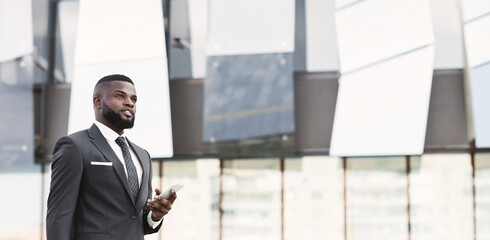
(92, 202)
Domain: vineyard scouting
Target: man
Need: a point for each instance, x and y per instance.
(101, 182)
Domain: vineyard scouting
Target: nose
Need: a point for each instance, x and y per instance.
(128, 102)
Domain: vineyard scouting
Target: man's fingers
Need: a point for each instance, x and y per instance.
(173, 196)
(157, 191)
(161, 204)
(158, 208)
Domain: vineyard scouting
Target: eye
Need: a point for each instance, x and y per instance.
(134, 99)
(119, 96)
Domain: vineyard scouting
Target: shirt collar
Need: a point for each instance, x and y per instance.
(107, 132)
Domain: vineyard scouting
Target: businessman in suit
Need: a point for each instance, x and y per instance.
(101, 181)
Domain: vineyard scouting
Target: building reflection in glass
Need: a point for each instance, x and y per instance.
(377, 198)
(314, 198)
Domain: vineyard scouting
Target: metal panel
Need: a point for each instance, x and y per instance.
(248, 96)
(180, 51)
(57, 109)
(315, 96)
(198, 21)
(68, 23)
(321, 36)
(300, 37)
(186, 104)
(446, 124)
(448, 34)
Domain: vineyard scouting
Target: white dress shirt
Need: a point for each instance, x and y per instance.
(111, 136)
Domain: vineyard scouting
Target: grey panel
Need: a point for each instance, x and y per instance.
(17, 128)
(57, 108)
(315, 101)
(248, 96)
(480, 100)
(446, 124)
(19, 72)
(179, 52)
(300, 37)
(186, 106)
(40, 26)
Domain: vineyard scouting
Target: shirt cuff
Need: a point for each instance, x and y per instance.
(152, 223)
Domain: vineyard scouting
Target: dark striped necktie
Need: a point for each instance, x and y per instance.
(132, 174)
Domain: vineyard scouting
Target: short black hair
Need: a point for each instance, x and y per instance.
(110, 78)
(114, 77)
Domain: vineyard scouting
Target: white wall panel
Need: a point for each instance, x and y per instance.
(448, 34)
(152, 129)
(373, 30)
(344, 3)
(250, 27)
(119, 30)
(382, 110)
(68, 22)
(480, 98)
(474, 8)
(321, 38)
(16, 37)
(198, 14)
(477, 39)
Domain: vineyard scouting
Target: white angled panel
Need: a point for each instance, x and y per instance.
(321, 42)
(345, 3)
(477, 39)
(448, 34)
(373, 30)
(480, 99)
(382, 110)
(250, 27)
(68, 20)
(474, 8)
(198, 14)
(16, 38)
(152, 129)
(119, 30)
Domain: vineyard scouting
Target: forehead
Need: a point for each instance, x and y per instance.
(119, 86)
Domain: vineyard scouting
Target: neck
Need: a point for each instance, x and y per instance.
(111, 126)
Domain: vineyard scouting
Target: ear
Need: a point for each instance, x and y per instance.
(97, 102)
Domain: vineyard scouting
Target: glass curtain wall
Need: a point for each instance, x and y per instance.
(195, 213)
(251, 199)
(441, 197)
(317, 197)
(482, 195)
(376, 198)
(309, 183)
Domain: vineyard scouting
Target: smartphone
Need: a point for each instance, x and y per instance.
(175, 187)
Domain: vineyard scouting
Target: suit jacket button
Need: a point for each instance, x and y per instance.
(133, 217)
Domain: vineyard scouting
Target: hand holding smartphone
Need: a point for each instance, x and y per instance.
(175, 187)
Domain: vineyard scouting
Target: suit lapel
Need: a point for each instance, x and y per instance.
(144, 161)
(101, 143)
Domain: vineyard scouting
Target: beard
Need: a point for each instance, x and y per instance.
(113, 117)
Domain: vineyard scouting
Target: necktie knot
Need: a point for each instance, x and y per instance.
(121, 141)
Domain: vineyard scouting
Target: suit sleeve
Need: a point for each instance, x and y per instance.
(146, 210)
(67, 169)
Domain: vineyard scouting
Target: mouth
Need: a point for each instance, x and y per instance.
(128, 113)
